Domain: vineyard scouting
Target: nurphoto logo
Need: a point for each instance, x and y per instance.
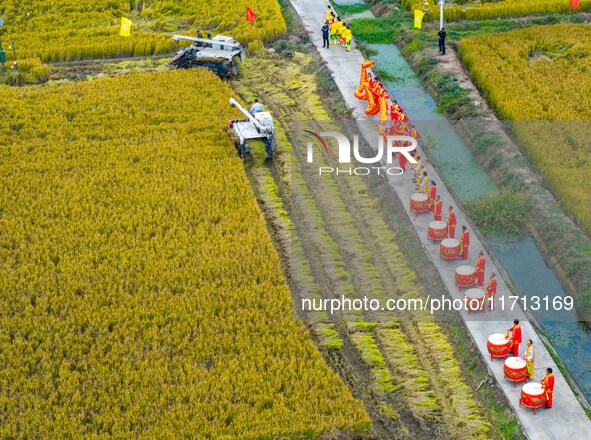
(390, 146)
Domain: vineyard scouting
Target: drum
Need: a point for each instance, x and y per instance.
(419, 203)
(465, 276)
(437, 230)
(532, 395)
(498, 346)
(515, 369)
(449, 249)
(474, 299)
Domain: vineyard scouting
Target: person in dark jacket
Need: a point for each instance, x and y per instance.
(442, 34)
(325, 34)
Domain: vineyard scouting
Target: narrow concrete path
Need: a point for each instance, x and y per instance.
(566, 420)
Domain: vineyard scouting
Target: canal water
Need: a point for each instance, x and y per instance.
(521, 258)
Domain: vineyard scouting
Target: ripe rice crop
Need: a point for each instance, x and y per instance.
(476, 10)
(539, 78)
(141, 293)
(61, 30)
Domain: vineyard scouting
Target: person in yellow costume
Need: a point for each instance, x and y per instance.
(338, 28)
(333, 31)
(348, 36)
(425, 183)
(425, 7)
(328, 14)
(343, 34)
(416, 166)
(529, 359)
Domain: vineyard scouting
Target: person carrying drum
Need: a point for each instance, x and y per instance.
(529, 358)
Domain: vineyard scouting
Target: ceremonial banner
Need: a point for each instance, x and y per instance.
(419, 18)
(125, 27)
(250, 15)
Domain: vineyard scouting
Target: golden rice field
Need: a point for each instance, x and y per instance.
(541, 74)
(477, 10)
(59, 30)
(141, 293)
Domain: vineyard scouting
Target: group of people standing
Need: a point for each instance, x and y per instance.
(515, 338)
(429, 187)
(335, 31)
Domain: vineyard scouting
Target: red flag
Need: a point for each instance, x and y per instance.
(574, 3)
(250, 15)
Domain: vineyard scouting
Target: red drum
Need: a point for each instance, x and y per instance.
(449, 249)
(465, 276)
(498, 346)
(515, 369)
(475, 299)
(532, 396)
(419, 203)
(437, 230)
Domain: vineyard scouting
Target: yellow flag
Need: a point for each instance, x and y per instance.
(125, 27)
(419, 18)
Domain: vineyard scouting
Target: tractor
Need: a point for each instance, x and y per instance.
(219, 54)
(257, 126)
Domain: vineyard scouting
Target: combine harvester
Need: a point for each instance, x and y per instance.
(220, 54)
(260, 126)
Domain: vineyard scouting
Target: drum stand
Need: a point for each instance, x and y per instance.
(530, 406)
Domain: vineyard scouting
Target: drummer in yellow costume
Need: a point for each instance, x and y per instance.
(529, 359)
